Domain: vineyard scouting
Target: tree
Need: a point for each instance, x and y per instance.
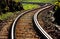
(2, 6)
(10, 5)
(57, 13)
(14, 6)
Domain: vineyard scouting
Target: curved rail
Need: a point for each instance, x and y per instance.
(38, 25)
(14, 23)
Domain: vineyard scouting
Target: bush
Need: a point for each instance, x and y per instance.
(10, 7)
(5, 16)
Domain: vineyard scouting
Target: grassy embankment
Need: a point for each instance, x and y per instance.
(26, 7)
(8, 14)
(41, 1)
(31, 6)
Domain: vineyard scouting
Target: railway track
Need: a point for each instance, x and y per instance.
(40, 23)
(22, 27)
(44, 20)
(44, 24)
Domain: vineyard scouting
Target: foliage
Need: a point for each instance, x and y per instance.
(29, 6)
(17, 0)
(57, 5)
(5, 16)
(2, 5)
(6, 6)
(43, 1)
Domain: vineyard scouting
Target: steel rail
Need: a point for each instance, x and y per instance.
(38, 25)
(14, 23)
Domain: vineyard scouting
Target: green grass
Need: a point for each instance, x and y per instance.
(5, 16)
(43, 1)
(29, 6)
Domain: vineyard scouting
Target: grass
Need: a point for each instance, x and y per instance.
(5, 16)
(42, 1)
(26, 7)
(29, 6)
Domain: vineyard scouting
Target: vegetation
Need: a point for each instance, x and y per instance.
(42, 1)
(5, 16)
(9, 6)
(57, 12)
(2, 6)
(29, 6)
(17, 0)
(6, 6)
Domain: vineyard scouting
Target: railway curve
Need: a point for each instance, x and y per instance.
(35, 20)
(22, 27)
